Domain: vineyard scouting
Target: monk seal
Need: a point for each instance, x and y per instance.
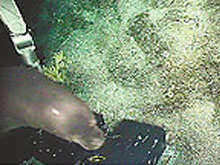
(28, 98)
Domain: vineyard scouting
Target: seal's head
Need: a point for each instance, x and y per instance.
(75, 123)
(31, 99)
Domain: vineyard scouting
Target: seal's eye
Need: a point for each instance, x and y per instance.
(97, 158)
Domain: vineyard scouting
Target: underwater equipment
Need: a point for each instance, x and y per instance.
(130, 143)
(20, 35)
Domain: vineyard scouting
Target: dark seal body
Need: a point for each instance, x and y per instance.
(28, 98)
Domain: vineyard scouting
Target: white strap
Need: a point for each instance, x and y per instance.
(12, 17)
(23, 41)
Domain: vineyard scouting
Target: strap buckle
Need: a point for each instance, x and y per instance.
(22, 42)
(21, 38)
(24, 45)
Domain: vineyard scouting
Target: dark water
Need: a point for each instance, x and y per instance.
(8, 56)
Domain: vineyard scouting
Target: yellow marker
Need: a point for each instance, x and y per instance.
(97, 158)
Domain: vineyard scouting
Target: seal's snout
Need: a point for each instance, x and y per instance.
(92, 139)
(96, 144)
(98, 140)
(93, 144)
